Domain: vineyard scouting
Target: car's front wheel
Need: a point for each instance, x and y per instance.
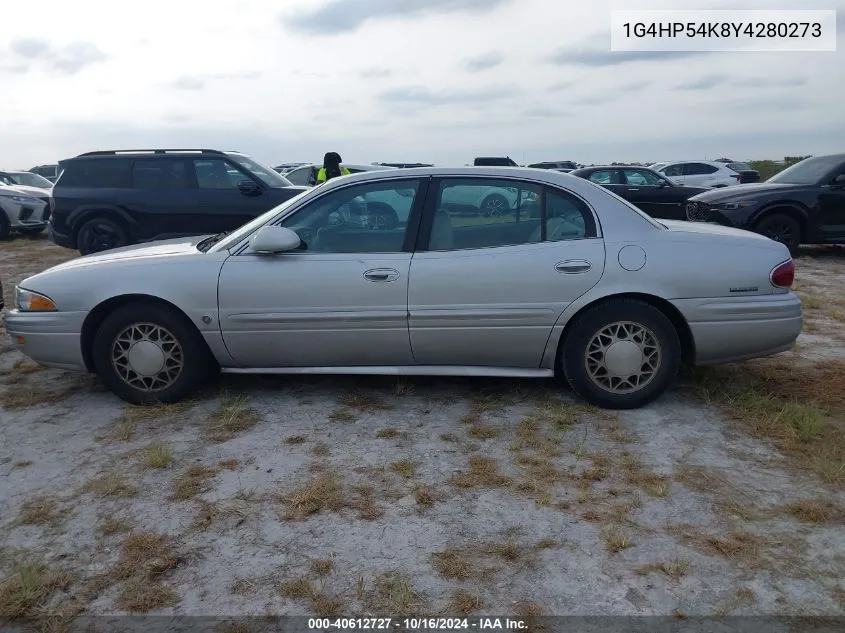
(147, 353)
(621, 354)
(100, 234)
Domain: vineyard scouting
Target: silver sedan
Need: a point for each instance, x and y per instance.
(571, 280)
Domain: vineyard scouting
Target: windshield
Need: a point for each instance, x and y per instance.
(31, 180)
(253, 225)
(809, 171)
(269, 177)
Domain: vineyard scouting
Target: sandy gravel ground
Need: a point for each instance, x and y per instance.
(347, 496)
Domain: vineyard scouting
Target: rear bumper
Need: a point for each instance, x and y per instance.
(52, 339)
(733, 329)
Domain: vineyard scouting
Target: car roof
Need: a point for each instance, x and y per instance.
(595, 167)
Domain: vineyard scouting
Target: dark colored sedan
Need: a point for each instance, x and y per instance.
(644, 188)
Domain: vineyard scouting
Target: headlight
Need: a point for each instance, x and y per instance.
(742, 204)
(16, 198)
(27, 301)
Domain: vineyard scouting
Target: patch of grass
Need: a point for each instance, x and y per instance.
(28, 589)
(113, 526)
(110, 485)
(483, 473)
(424, 496)
(393, 593)
(297, 588)
(26, 366)
(244, 586)
(449, 437)
(404, 467)
(326, 605)
(799, 407)
(321, 450)
(388, 433)
(364, 502)
(295, 439)
(484, 431)
(817, 511)
(193, 482)
(812, 302)
(464, 603)
(342, 415)
(739, 544)
(141, 596)
(232, 418)
(323, 493)
(147, 556)
(454, 563)
(22, 464)
(509, 551)
(229, 464)
(615, 540)
(546, 543)
(368, 403)
(674, 569)
(158, 456)
(321, 566)
(638, 475)
(24, 396)
(41, 511)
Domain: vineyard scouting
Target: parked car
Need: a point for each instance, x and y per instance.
(110, 199)
(25, 179)
(404, 165)
(747, 175)
(803, 204)
(702, 173)
(593, 290)
(50, 172)
(286, 167)
(306, 174)
(558, 165)
(494, 161)
(21, 211)
(648, 190)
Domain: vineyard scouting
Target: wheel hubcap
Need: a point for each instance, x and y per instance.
(147, 357)
(100, 238)
(623, 357)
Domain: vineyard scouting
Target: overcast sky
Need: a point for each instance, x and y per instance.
(435, 81)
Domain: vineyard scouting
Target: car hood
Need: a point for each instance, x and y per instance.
(703, 228)
(138, 252)
(33, 192)
(744, 192)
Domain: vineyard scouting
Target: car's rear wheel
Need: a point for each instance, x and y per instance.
(621, 354)
(100, 234)
(780, 228)
(494, 205)
(147, 353)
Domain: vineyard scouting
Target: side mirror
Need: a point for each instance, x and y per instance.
(249, 188)
(269, 240)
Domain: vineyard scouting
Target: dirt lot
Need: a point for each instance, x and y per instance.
(374, 496)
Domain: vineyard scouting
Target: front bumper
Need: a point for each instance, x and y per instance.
(24, 215)
(52, 339)
(731, 329)
(704, 212)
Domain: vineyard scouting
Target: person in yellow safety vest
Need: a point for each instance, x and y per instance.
(331, 168)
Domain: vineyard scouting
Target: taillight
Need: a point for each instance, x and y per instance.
(738, 177)
(783, 275)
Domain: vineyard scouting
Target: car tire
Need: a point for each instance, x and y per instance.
(780, 228)
(634, 324)
(100, 234)
(5, 226)
(494, 205)
(170, 360)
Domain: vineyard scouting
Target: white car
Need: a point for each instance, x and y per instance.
(22, 210)
(699, 173)
(306, 174)
(25, 179)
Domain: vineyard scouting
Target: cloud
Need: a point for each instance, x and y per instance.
(596, 53)
(705, 82)
(424, 96)
(375, 73)
(634, 86)
(561, 85)
(773, 82)
(484, 62)
(544, 113)
(187, 83)
(67, 60)
(346, 16)
(198, 82)
(597, 99)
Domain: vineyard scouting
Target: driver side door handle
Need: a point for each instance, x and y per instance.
(381, 274)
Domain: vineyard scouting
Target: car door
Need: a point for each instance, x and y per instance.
(221, 205)
(340, 300)
(165, 191)
(832, 206)
(700, 175)
(611, 179)
(674, 172)
(653, 194)
(488, 291)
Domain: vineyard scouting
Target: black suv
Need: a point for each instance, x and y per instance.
(803, 204)
(108, 199)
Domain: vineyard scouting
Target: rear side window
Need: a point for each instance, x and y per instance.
(97, 173)
(169, 173)
(699, 169)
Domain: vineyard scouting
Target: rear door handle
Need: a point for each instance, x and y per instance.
(633, 189)
(381, 274)
(573, 266)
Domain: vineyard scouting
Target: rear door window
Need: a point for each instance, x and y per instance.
(98, 173)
